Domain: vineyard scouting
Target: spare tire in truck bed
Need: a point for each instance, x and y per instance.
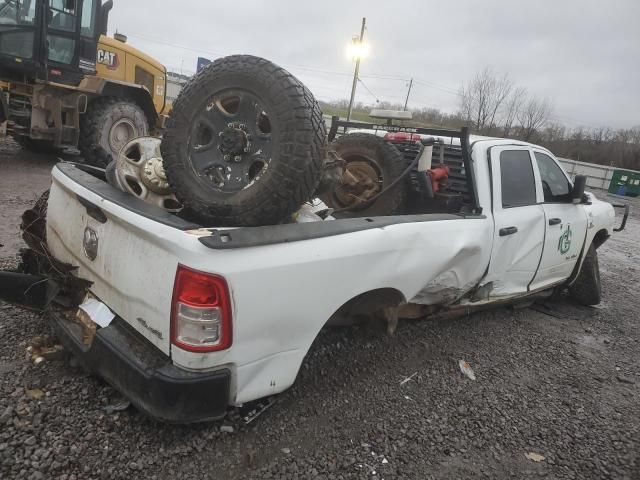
(245, 144)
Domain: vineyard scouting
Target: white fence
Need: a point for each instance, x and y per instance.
(598, 176)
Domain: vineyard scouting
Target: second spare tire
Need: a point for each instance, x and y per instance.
(245, 144)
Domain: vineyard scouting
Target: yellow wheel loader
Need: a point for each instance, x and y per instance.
(65, 84)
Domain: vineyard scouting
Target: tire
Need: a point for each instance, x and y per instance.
(245, 144)
(36, 146)
(587, 288)
(367, 157)
(109, 124)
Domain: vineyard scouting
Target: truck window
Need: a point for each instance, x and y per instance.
(518, 182)
(63, 15)
(87, 22)
(555, 185)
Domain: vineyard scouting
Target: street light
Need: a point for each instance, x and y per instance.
(357, 49)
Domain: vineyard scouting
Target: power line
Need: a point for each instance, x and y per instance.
(419, 81)
(368, 90)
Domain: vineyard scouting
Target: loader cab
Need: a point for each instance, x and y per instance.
(54, 40)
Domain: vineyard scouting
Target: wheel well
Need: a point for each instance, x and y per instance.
(140, 96)
(367, 303)
(600, 238)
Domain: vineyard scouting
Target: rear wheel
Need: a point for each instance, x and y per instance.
(371, 165)
(587, 288)
(109, 124)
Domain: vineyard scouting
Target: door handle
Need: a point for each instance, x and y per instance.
(555, 221)
(508, 231)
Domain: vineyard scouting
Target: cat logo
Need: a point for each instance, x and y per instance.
(110, 59)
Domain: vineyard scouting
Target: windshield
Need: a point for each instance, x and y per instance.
(17, 12)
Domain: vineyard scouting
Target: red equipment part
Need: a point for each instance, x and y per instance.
(439, 177)
(402, 137)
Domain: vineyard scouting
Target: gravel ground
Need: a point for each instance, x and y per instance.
(565, 387)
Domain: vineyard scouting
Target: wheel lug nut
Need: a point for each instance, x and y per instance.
(227, 157)
(237, 158)
(247, 149)
(230, 125)
(220, 134)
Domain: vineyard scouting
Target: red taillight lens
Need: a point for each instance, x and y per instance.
(200, 311)
(401, 137)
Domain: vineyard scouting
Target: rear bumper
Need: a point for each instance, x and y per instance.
(145, 376)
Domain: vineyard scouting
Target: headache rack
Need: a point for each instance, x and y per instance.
(462, 178)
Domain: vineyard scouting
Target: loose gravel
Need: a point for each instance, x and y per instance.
(564, 387)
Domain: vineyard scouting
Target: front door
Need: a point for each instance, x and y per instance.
(519, 221)
(565, 223)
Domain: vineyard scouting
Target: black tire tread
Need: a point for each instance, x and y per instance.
(90, 130)
(296, 167)
(392, 163)
(586, 290)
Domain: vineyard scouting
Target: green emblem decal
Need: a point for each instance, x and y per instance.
(564, 244)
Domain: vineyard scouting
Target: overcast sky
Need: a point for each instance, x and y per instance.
(584, 55)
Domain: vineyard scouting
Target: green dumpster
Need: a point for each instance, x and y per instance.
(625, 182)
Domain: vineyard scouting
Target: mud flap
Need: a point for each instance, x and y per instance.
(33, 292)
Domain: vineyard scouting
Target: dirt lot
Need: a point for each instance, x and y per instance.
(565, 386)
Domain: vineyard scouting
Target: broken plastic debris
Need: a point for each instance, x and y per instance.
(118, 406)
(98, 312)
(385, 461)
(536, 457)
(226, 428)
(408, 378)
(253, 410)
(43, 348)
(466, 369)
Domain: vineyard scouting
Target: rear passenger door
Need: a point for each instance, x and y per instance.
(565, 223)
(519, 227)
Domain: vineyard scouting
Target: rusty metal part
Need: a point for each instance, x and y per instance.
(140, 171)
(360, 182)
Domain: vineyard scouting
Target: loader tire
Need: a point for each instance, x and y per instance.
(245, 144)
(109, 124)
(586, 290)
(374, 164)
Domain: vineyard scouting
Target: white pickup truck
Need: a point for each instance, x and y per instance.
(207, 318)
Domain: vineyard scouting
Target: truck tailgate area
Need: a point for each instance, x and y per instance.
(135, 257)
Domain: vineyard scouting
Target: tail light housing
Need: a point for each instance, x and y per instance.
(200, 311)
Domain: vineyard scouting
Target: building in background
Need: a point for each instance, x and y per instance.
(175, 82)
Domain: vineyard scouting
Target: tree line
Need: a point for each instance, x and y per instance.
(493, 105)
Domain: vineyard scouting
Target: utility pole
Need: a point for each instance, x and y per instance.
(355, 74)
(407, 100)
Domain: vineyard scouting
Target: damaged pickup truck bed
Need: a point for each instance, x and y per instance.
(206, 318)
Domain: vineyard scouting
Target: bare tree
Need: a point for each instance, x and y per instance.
(482, 97)
(534, 114)
(513, 104)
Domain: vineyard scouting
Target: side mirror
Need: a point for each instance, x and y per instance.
(579, 184)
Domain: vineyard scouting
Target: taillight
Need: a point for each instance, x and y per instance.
(402, 137)
(200, 311)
